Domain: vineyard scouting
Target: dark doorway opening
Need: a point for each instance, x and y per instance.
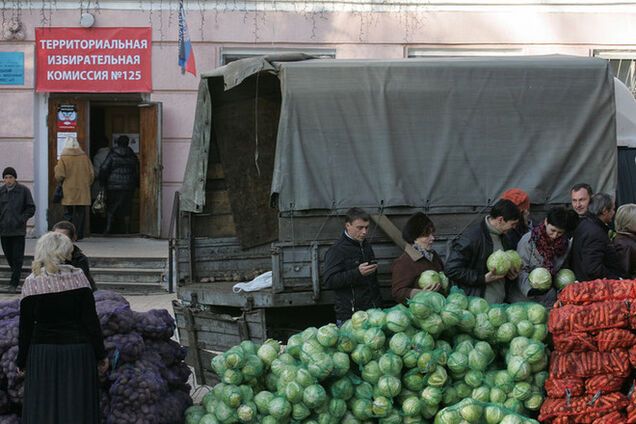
(108, 121)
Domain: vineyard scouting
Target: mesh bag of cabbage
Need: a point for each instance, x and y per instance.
(472, 411)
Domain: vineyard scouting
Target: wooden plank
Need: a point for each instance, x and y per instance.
(217, 203)
(150, 169)
(396, 236)
(219, 226)
(215, 171)
(192, 339)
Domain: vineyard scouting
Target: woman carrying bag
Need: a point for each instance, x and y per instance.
(75, 172)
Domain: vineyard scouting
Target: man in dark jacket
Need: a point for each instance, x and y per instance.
(78, 258)
(119, 175)
(466, 263)
(351, 270)
(593, 255)
(16, 207)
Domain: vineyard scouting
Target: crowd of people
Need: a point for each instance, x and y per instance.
(579, 238)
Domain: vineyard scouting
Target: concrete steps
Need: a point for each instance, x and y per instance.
(125, 274)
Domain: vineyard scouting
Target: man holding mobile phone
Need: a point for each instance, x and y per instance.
(351, 268)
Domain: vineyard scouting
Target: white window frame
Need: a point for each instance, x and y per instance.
(415, 52)
(629, 56)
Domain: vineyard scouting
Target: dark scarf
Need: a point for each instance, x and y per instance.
(549, 249)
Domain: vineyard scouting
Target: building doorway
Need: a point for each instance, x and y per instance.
(97, 121)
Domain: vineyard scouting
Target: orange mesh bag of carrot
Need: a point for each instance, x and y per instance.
(588, 364)
(562, 387)
(604, 383)
(595, 316)
(614, 338)
(615, 417)
(574, 342)
(598, 291)
(583, 409)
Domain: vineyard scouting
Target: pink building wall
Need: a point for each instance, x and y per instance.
(577, 30)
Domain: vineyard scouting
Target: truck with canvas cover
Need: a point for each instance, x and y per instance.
(283, 146)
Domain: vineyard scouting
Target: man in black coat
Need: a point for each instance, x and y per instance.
(466, 262)
(16, 207)
(119, 175)
(593, 254)
(351, 270)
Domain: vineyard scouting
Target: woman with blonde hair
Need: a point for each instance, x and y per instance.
(625, 241)
(60, 343)
(75, 172)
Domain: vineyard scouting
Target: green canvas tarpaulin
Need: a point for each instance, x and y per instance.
(438, 132)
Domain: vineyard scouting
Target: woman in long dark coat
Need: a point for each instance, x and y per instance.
(61, 348)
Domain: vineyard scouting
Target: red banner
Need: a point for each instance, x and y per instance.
(93, 60)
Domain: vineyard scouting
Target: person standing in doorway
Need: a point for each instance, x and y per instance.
(16, 207)
(75, 172)
(119, 175)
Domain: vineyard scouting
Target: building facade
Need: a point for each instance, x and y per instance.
(158, 116)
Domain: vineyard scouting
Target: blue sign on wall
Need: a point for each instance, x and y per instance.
(11, 68)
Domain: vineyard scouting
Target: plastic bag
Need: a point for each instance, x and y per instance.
(263, 281)
(595, 316)
(99, 205)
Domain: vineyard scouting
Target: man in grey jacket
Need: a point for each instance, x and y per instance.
(16, 207)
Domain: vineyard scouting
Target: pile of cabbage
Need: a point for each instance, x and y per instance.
(147, 381)
(398, 365)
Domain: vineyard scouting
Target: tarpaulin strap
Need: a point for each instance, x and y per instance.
(375, 224)
(256, 155)
(568, 396)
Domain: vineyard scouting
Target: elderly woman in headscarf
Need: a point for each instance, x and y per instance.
(60, 342)
(75, 172)
(625, 241)
(419, 231)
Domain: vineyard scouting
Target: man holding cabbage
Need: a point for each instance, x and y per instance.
(466, 263)
(351, 269)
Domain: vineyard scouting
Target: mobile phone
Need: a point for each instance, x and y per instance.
(372, 262)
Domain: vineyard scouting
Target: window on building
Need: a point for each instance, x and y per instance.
(231, 54)
(415, 52)
(623, 64)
